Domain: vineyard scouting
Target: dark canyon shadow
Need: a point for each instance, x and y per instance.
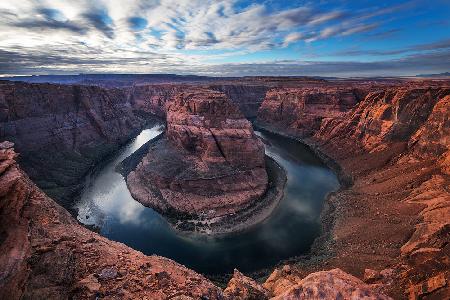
(291, 229)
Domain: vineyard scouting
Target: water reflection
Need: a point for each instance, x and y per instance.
(289, 231)
(106, 197)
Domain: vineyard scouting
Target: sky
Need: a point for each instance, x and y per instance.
(340, 38)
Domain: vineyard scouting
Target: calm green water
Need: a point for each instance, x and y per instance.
(107, 204)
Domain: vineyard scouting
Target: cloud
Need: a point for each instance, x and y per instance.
(410, 65)
(190, 24)
(102, 21)
(48, 19)
(168, 35)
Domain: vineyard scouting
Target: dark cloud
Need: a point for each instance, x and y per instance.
(38, 63)
(383, 34)
(51, 25)
(101, 21)
(51, 19)
(439, 45)
(444, 44)
(51, 14)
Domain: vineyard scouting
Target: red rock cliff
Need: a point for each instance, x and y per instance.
(302, 109)
(395, 145)
(209, 125)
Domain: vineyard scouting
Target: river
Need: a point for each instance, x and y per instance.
(106, 204)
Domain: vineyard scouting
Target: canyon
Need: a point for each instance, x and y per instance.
(388, 224)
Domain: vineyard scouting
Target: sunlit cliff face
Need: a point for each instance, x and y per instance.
(228, 37)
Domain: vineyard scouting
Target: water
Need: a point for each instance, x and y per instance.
(107, 204)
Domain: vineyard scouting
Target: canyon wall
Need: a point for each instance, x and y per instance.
(390, 227)
(153, 99)
(247, 97)
(301, 110)
(62, 131)
(394, 145)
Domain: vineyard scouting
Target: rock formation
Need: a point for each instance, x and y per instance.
(62, 130)
(209, 165)
(154, 98)
(243, 287)
(332, 284)
(393, 145)
(288, 283)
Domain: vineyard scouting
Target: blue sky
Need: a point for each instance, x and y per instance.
(225, 37)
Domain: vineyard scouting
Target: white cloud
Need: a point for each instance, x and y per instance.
(87, 32)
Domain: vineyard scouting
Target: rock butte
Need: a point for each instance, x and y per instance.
(210, 163)
(389, 225)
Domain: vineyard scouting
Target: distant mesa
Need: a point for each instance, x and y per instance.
(445, 74)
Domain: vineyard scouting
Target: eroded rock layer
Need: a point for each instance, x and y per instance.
(394, 146)
(302, 109)
(209, 164)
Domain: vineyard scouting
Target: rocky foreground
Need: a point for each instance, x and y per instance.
(209, 166)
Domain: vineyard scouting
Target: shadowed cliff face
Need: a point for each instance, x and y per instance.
(153, 99)
(62, 131)
(395, 145)
(247, 97)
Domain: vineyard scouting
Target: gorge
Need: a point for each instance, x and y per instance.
(387, 142)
